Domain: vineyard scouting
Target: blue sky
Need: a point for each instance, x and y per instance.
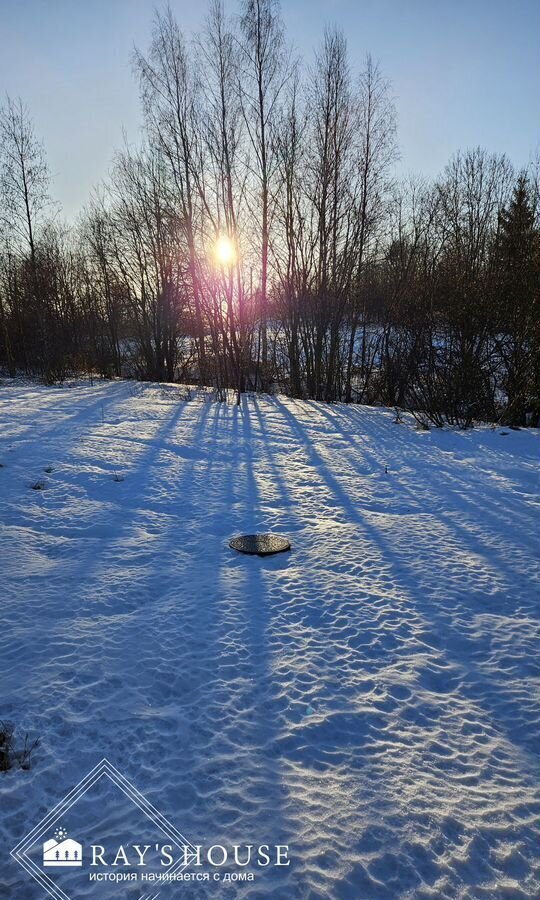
(463, 73)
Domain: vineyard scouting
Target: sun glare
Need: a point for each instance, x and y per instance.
(225, 252)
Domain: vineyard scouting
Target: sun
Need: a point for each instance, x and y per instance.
(225, 251)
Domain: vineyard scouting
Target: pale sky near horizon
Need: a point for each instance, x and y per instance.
(463, 73)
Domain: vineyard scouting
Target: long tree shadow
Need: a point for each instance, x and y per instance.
(448, 673)
(166, 640)
(236, 773)
(438, 488)
(479, 686)
(100, 393)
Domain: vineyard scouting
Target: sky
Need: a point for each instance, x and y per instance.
(463, 73)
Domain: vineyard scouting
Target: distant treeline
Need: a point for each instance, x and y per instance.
(339, 284)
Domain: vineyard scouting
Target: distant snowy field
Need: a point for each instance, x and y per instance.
(371, 699)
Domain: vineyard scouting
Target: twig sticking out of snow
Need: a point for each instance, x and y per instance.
(9, 755)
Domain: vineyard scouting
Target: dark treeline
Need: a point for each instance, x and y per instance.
(257, 240)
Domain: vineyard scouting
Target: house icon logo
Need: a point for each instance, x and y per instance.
(61, 850)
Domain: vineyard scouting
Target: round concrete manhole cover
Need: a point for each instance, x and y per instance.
(260, 544)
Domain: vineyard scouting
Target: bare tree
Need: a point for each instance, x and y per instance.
(264, 73)
(376, 149)
(24, 175)
(105, 295)
(292, 251)
(222, 194)
(170, 92)
(24, 193)
(147, 235)
(332, 192)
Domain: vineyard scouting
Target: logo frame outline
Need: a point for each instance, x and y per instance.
(103, 768)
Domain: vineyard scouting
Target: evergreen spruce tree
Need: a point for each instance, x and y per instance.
(517, 302)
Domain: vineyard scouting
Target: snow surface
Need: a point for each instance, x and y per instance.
(370, 699)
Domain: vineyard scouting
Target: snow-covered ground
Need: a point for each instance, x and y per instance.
(371, 699)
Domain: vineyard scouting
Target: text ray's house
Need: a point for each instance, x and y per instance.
(62, 853)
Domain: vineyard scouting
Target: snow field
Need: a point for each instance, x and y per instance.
(370, 699)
